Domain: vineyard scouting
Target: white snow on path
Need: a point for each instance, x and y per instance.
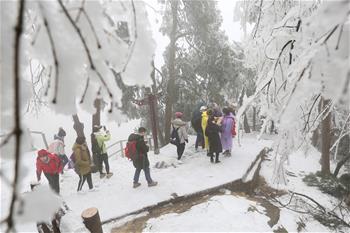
(115, 196)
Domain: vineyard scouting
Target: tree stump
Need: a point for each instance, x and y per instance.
(92, 220)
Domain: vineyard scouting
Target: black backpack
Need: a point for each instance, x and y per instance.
(94, 145)
(174, 138)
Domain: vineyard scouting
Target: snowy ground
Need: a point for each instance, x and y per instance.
(115, 196)
(226, 213)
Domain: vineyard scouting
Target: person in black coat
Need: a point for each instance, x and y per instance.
(213, 133)
(141, 161)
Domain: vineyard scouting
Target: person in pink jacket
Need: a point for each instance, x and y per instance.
(227, 124)
(57, 146)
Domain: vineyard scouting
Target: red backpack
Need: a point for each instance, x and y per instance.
(233, 129)
(130, 150)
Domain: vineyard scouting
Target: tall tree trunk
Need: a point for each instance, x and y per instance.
(154, 91)
(78, 126)
(272, 128)
(171, 82)
(96, 118)
(326, 141)
(246, 124)
(254, 118)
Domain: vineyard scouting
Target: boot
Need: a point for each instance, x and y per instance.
(217, 158)
(153, 183)
(136, 185)
(109, 175)
(102, 175)
(212, 159)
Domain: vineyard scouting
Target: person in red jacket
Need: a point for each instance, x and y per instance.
(51, 165)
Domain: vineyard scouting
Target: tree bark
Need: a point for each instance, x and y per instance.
(326, 141)
(246, 125)
(171, 82)
(78, 126)
(340, 164)
(96, 118)
(254, 118)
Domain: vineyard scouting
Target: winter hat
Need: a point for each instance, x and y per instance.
(61, 132)
(96, 128)
(178, 114)
(203, 108)
(42, 153)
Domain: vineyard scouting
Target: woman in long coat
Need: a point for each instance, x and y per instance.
(212, 132)
(226, 131)
(82, 162)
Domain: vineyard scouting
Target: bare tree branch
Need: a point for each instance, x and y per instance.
(7, 139)
(135, 37)
(81, 8)
(259, 17)
(92, 65)
(85, 90)
(92, 28)
(17, 112)
(53, 49)
(309, 114)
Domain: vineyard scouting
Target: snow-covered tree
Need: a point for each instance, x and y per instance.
(300, 51)
(69, 48)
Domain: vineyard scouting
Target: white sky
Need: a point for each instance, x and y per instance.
(232, 29)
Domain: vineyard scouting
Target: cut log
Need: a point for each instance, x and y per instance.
(92, 220)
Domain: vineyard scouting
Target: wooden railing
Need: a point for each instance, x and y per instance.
(42, 136)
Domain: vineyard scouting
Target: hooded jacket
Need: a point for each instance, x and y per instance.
(182, 131)
(52, 166)
(82, 159)
(212, 132)
(141, 160)
(101, 138)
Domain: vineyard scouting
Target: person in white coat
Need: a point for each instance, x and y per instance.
(180, 126)
(57, 147)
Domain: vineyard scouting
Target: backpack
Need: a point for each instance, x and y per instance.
(174, 138)
(233, 129)
(130, 150)
(94, 145)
